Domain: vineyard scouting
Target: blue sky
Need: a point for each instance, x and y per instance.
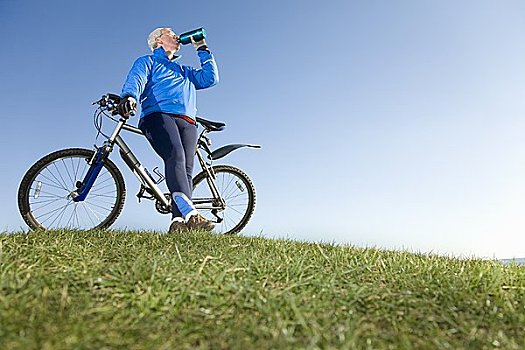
(394, 124)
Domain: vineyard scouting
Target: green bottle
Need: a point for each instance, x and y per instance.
(197, 34)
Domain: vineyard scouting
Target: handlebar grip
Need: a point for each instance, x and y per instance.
(114, 97)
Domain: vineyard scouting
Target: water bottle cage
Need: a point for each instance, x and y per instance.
(144, 189)
(157, 172)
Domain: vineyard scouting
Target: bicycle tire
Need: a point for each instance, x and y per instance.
(65, 180)
(219, 170)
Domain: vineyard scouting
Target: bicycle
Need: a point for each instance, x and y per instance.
(83, 189)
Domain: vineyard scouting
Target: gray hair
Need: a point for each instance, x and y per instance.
(154, 35)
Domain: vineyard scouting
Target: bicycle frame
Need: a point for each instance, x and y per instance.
(142, 174)
(129, 158)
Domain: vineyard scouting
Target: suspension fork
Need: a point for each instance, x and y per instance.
(96, 163)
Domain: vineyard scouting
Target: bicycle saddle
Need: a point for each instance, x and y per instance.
(210, 125)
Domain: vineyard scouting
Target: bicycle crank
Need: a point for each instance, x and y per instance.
(161, 208)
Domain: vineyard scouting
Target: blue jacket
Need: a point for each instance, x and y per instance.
(166, 86)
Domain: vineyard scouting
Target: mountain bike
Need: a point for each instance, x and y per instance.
(83, 189)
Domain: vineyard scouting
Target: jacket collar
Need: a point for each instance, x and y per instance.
(160, 52)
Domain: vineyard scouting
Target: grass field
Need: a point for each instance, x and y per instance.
(140, 290)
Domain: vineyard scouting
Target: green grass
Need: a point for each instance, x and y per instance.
(140, 290)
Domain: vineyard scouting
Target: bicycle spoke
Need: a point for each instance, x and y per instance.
(100, 176)
(47, 178)
(236, 196)
(48, 184)
(70, 217)
(79, 162)
(62, 212)
(100, 188)
(237, 205)
(227, 186)
(50, 202)
(230, 192)
(76, 216)
(94, 212)
(73, 168)
(44, 201)
(88, 214)
(101, 195)
(67, 171)
(52, 194)
(60, 174)
(229, 207)
(98, 206)
(225, 221)
(53, 202)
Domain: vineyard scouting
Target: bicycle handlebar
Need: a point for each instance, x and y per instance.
(110, 102)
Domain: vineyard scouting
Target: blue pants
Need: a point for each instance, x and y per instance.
(175, 140)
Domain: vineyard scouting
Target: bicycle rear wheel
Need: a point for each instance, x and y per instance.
(237, 191)
(44, 195)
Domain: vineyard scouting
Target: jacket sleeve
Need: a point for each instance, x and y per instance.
(207, 75)
(137, 78)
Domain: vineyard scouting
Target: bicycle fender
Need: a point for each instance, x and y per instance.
(225, 150)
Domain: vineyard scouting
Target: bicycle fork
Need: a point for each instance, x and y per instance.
(96, 163)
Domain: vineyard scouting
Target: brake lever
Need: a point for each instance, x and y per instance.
(102, 102)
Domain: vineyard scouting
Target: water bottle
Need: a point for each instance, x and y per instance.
(196, 34)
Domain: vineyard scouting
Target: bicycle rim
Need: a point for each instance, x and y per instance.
(46, 201)
(237, 191)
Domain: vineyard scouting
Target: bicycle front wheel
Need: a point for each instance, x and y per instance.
(45, 194)
(238, 195)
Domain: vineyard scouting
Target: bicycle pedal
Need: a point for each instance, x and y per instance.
(141, 194)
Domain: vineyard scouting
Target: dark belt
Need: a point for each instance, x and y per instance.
(186, 118)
